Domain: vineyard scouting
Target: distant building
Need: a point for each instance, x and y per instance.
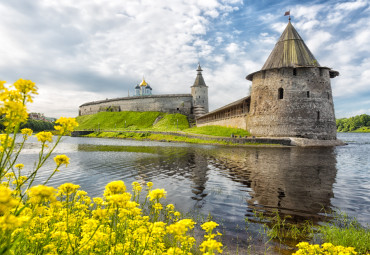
(192, 105)
(40, 116)
(143, 89)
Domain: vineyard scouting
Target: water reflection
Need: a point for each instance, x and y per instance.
(295, 181)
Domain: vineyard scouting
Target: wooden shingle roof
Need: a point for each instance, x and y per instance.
(290, 51)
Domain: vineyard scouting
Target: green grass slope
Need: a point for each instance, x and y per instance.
(217, 131)
(118, 120)
(133, 121)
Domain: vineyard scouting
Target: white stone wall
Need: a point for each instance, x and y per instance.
(180, 103)
(232, 122)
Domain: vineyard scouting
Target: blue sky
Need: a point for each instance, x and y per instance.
(80, 51)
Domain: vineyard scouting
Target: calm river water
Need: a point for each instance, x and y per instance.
(227, 182)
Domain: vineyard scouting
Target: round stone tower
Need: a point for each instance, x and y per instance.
(199, 91)
(291, 95)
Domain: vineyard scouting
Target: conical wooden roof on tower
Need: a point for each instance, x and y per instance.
(291, 51)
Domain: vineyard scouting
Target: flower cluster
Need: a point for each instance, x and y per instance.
(210, 245)
(67, 221)
(326, 248)
(38, 219)
(12, 102)
(65, 125)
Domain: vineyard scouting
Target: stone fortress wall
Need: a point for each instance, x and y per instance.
(192, 105)
(176, 103)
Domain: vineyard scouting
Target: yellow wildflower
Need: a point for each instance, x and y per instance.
(211, 245)
(41, 193)
(136, 187)
(149, 185)
(9, 222)
(27, 88)
(157, 194)
(66, 125)
(119, 199)
(209, 226)
(6, 200)
(157, 206)
(19, 166)
(61, 159)
(115, 187)
(26, 132)
(170, 207)
(68, 188)
(44, 136)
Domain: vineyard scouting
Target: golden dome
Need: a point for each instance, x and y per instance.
(143, 83)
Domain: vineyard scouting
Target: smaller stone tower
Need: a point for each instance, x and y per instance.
(199, 91)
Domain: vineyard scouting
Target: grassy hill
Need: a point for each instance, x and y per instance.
(133, 121)
(151, 121)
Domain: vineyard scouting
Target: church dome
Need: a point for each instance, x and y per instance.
(143, 83)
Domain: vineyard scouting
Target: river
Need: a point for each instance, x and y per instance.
(229, 183)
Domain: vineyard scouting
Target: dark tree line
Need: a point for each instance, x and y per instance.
(38, 125)
(353, 123)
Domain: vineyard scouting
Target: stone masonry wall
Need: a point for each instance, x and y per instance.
(233, 122)
(305, 110)
(178, 103)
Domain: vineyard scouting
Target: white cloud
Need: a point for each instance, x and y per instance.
(78, 51)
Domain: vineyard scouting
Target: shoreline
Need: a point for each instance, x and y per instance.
(208, 139)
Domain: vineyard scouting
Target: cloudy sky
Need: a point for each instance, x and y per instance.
(85, 50)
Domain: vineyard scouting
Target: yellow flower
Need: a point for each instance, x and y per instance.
(6, 200)
(44, 136)
(61, 159)
(9, 222)
(157, 206)
(170, 207)
(20, 166)
(26, 131)
(68, 188)
(27, 88)
(211, 245)
(6, 141)
(66, 125)
(157, 194)
(41, 193)
(149, 185)
(119, 199)
(209, 226)
(136, 187)
(115, 187)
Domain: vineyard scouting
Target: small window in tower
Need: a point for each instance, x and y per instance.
(199, 96)
(178, 109)
(321, 72)
(263, 74)
(318, 115)
(281, 93)
(328, 95)
(295, 71)
(308, 94)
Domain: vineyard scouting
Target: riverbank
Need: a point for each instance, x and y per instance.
(207, 139)
(186, 137)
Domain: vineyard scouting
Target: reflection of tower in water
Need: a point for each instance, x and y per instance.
(294, 181)
(198, 165)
